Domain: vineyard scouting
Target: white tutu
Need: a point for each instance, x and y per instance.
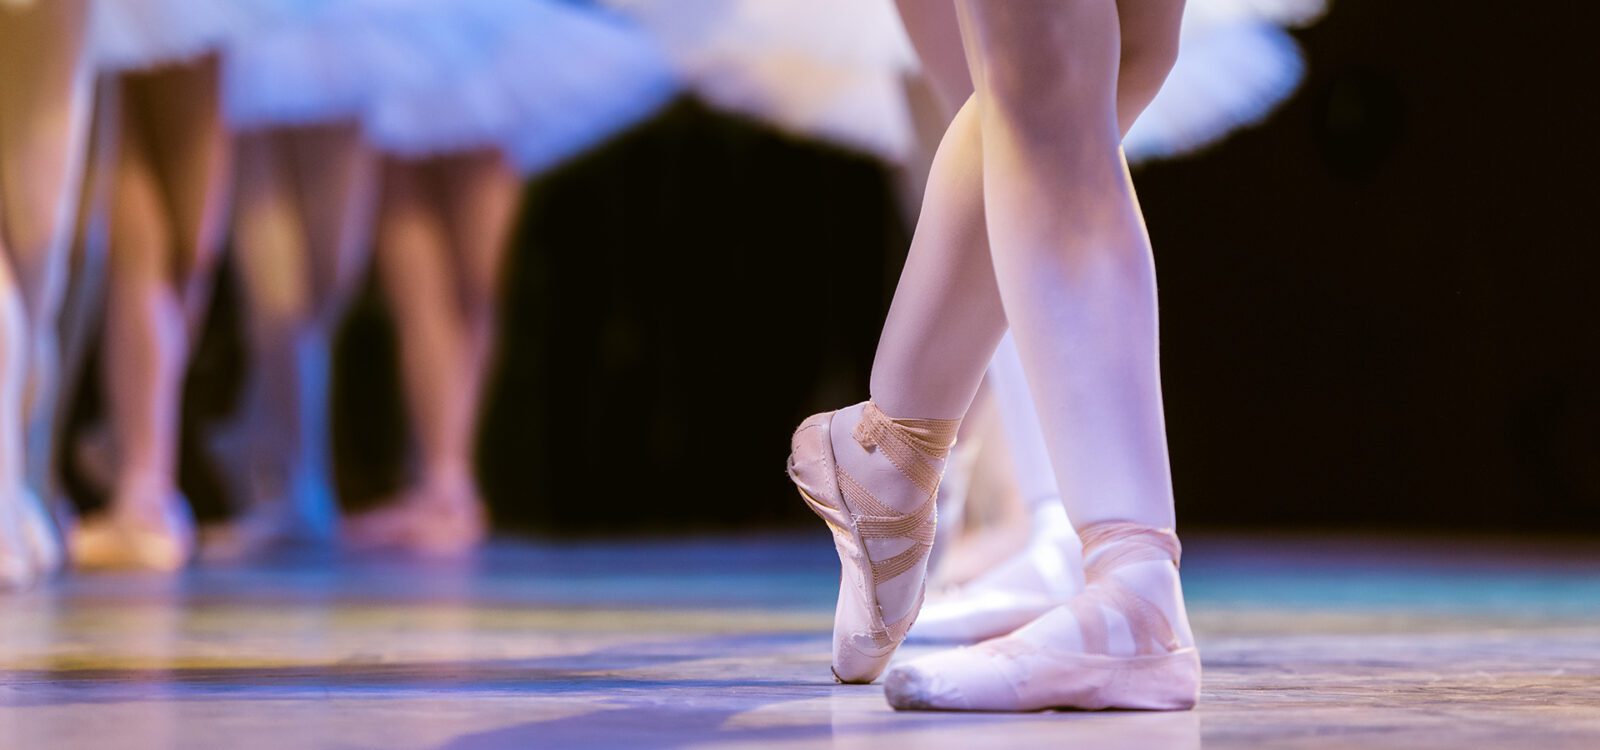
(143, 34)
(538, 79)
(831, 68)
(580, 78)
(305, 62)
(1235, 65)
(316, 61)
(828, 69)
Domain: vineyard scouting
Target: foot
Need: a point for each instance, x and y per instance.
(872, 479)
(40, 532)
(1046, 573)
(1124, 642)
(258, 532)
(437, 519)
(294, 514)
(149, 527)
(17, 567)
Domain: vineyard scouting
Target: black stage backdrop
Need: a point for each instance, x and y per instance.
(1375, 306)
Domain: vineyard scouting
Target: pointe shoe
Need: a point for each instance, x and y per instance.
(879, 547)
(1046, 573)
(159, 540)
(444, 519)
(1070, 657)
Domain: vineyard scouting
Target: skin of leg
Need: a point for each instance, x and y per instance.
(337, 178)
(1071, 257)
(951, 241)
(144, 323)
(43, 126)
(419, 276)
(272, 262)
(301, 237)
(479, 204)
(170, 191)
(1076, 276)
(934, 30)
(145, 342)
(193, 151)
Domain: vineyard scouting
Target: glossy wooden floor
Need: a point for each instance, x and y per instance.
(1308, 643)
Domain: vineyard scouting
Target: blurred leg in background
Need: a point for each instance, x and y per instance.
(441, 242)
(305, 201)
(168, 210)
(45, 97)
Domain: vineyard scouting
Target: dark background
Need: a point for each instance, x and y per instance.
(1376, 306)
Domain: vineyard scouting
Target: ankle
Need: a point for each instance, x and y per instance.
(900, 460)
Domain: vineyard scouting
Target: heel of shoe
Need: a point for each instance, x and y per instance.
(1167, 683)
(811, 468)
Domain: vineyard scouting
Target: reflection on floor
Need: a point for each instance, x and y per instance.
(723, 643)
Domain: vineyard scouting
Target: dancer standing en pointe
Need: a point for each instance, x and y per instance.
(44, 102)
(1031, 182)
(1235, 64)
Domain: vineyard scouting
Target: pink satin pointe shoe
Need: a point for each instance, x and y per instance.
(1123, 643)
(1044, 574)
(442, 519)
(134, 537)
(883, 552)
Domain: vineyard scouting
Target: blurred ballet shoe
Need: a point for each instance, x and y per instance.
(444, 517)
(294, 514)
(1041, 576)
(136, 536)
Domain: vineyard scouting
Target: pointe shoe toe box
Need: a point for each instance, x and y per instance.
(858, 660)
(949, 681)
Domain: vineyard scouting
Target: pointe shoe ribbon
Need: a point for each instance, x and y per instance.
(863, 640)
(1111, 545)
(1028, 671)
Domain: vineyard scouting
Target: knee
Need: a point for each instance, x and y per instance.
(1046, 105)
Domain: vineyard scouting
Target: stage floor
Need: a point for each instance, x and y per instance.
(1308, 642)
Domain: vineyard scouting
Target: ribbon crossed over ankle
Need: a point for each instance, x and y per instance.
(914, 446)
(1108, 546)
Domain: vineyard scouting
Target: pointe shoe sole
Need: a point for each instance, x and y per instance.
(856, 658)
(1162, 682)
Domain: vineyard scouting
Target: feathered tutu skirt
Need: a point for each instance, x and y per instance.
(143, 34)
(541, 80)
(309, 62)
(1236, 63)
(536, 79)
(833, 69)
(828, 69)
